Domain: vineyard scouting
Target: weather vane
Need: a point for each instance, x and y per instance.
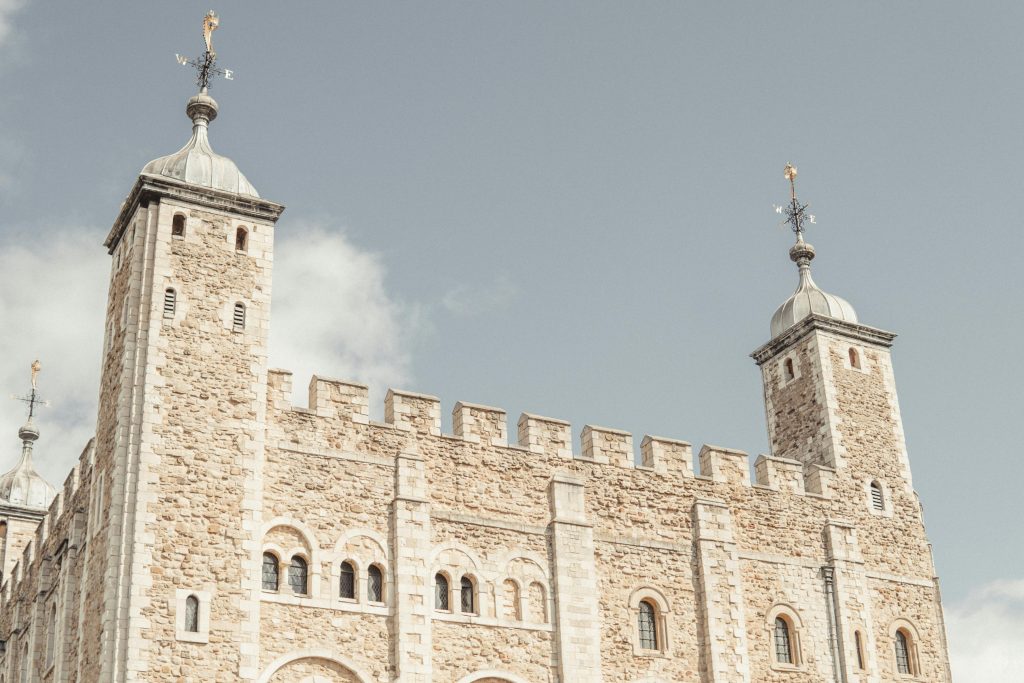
(33, 399)
(796, 213)
(206, 66)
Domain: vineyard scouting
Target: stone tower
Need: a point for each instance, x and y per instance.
(831, 404)
(179, 438)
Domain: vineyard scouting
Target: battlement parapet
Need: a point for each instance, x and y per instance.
(407, 410)
(545, 435)
(667, 455)
(724, 465)
(604, 445)
(480, 424)
(818, 480)
(338, 398)
(779, 474)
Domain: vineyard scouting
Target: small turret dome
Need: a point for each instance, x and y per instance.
(196, 163)
(808, 299)
(23, 485)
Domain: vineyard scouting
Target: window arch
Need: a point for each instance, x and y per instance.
(178, 225)
(647, 625)
(298, 575)
(347, 581)
(784, 627)
(854, 358)
(859, 644)
(877, 497)
(510, 594)
(467, 595)
(783, 641)
(192, 614)
(23, 676)
(241, 239)
(906, 655)
(788, 370)
(374, 584)
(170, 302)
(441, 594)
(270, 572)
(537, 603)
(51, 635)
(238, 317)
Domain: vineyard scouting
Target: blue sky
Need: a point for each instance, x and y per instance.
(564, 208)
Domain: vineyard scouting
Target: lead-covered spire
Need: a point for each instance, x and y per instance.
(808, 299)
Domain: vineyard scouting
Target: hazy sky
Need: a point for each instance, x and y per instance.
(565, 208)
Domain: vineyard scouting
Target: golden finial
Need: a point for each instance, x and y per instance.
(790, 174)
(210, 23)
(36, 367)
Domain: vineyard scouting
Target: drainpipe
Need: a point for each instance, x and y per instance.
(838, 665)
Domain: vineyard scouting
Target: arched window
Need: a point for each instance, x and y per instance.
(877, 497)
(537, 603)
(468, 598)
(904, 662)
(178, 225)
(170, 302)
(238, 319)
(648, 625)
(374, 584)
(510, 592)
(347, 583)
(788, 369)
(298, 575)
(241, 239)
(854, 358)
(192, 614)
(441, 593)
(270, 572)
(783, 642)
(25, 664)
(859, 643)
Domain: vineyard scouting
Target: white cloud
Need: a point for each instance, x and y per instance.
(52, 294)
(474, 300)
(7, 10)
(331, 315)
(986, 634)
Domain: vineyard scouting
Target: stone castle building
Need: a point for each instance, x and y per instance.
(215, 529)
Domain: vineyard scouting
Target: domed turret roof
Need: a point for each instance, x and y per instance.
(23, 485)
(808, 299)
(196, 163)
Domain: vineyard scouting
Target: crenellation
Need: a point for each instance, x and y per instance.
(546, 435)
(409, 411)
(667, 455)
(279, 389)
(480, 424)
(779, 474)
(818, 480)
(605, 445)
(335, 398)
(724, 465)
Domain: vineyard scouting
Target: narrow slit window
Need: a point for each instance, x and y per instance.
(374, 584)
(903, 664)
(877, 497)
(238, 319)
(647, 625)
(468, 598)
(854, 358)
(192, 614)
(51, 635)
(178, 225)
(298, 576)
(783, 642)
(347, 583)
(441, 593)
(788, 365)
(241, 239)
(170, 302)
(270, 572)
(859, 642)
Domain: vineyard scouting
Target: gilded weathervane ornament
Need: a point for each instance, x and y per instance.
(33, 399)
(206, 66)
(796, 213)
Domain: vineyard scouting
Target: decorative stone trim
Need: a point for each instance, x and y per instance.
(181, 595)
(796, 628)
